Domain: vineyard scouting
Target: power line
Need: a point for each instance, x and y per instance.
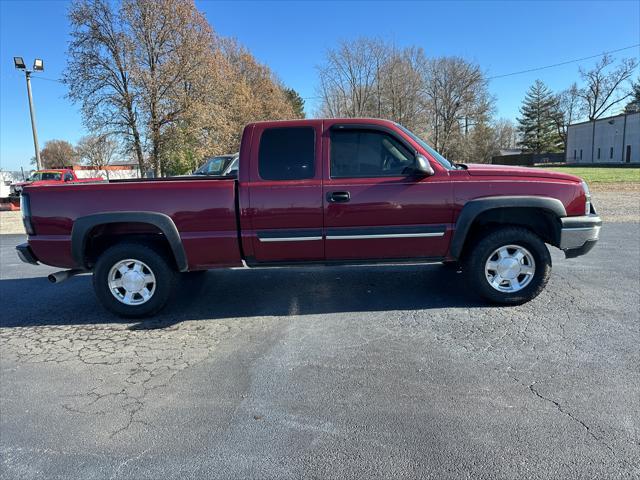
(542, 68)
(520, 72)
(562, 63)
(48, 79)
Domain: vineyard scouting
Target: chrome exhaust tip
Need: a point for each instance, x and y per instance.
(63, 275)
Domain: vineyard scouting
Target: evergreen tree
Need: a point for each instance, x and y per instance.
(536, 124)
(296, 101)
(634, 105)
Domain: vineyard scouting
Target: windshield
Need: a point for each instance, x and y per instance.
(232, 169)
(214, 166)
(38, 176)
(439, 158)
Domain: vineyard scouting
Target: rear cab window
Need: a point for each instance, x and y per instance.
(287, 153)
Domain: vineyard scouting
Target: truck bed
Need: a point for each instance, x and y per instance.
(203, 210)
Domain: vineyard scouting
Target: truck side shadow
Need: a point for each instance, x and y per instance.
(237, 294)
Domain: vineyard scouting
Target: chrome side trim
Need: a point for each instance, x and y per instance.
(351, 233)
(579, 229)
(385, 235)
(289, 239)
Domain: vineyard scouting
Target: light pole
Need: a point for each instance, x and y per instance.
(38, 66)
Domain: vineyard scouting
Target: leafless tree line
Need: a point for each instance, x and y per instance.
(446, 99)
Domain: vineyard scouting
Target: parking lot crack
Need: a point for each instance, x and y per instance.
(127, 366)
(586, 427)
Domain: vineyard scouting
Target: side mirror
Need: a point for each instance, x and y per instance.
(422, 168)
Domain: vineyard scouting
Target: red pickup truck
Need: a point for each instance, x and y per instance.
(333, 191)
(50, 177)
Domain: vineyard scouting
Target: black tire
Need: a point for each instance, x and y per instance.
(479, 253)
(154, 259)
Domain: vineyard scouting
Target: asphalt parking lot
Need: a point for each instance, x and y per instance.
(368, 372)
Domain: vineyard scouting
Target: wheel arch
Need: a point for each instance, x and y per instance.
(508, 210)
(156, 223)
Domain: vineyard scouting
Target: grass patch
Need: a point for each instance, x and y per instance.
(602, 175)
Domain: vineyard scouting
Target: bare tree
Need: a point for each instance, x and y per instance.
(98, 73)
(505, 134)
(442, 98)
(58, 154)
(567, 110)
(349, 83)
(482, 143)
(97, 151)
(604, 86)
(456, 97)
(399, 91)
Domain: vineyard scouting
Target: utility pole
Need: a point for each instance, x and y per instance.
(38, 66)
(33, 120)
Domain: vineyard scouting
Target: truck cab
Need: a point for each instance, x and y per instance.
(358, 193)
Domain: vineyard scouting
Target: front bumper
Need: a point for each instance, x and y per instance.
(578, 235)
(26, 254)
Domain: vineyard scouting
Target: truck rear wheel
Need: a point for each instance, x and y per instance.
(133, 280)
(509, 266)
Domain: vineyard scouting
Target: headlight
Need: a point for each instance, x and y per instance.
(587, 194)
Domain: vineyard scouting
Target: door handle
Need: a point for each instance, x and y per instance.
(338, 197)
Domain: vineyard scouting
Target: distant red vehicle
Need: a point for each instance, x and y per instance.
(333, 191)
(50, 177)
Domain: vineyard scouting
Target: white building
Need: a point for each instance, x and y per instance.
(606, 140)
(113, 171)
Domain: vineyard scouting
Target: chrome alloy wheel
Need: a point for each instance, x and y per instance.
(510, 268)
(132, 282)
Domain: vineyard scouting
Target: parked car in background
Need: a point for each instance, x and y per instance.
(5, 185)
(50, 177)
(217, 166)
(314, 191)
(7, 200)
(232, 168)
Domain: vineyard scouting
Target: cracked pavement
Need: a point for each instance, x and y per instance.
(368, 372)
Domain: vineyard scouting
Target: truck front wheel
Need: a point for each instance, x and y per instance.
(510, 265)
(133, 280)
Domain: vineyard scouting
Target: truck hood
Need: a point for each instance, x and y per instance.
(484, 170)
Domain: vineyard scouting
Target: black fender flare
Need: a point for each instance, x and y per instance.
(83, 225)
(473, 208)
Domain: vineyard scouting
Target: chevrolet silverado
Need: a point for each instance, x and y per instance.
(332, 191)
